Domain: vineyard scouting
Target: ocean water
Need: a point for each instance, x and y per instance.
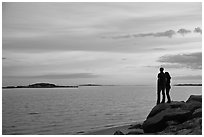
(79, 110)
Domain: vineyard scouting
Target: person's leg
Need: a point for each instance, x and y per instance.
(163, 96)
(158, 96)
(168, 96)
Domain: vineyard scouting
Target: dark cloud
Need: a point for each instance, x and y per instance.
(192, 60)
(198, 30)
(183, 31)
(189, 77)
(168, 33)
(3, 58)
(58, 76)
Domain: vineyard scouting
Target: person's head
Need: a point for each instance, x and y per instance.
(167, 74)
(161, 69)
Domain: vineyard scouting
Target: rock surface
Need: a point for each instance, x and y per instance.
(175, 118)
(158, 122)
(197, 98)
(176, 112)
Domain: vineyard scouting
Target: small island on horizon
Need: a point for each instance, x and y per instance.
(41, 85)
(50, 85)
(188, 85)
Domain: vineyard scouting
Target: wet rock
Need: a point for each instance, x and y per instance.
(118, 132)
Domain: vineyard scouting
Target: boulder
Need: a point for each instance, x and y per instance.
(197, 98)
(158, 122)
(174, 117)
(160, 107)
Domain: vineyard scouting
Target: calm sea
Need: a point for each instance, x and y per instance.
(78, 110)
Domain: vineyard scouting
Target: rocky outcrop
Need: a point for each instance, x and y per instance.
(175, 118)
(158, 122)
(189, 127)
(195, 98)
(176, 112)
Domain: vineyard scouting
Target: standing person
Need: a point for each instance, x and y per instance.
(161, 84)
(168, 86)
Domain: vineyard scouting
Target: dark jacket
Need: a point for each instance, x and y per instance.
(161, 80)
(168, 80)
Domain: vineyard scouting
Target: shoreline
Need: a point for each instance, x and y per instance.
(111, 130)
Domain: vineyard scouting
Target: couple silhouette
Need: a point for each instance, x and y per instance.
(163, 84)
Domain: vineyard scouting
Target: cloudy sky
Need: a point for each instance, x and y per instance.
(104, 43)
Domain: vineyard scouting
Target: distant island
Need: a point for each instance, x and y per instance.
(49, 85)
(41, 85)
(188, 85)
(90, 85)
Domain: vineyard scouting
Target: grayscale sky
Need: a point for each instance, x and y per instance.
(103, 43)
